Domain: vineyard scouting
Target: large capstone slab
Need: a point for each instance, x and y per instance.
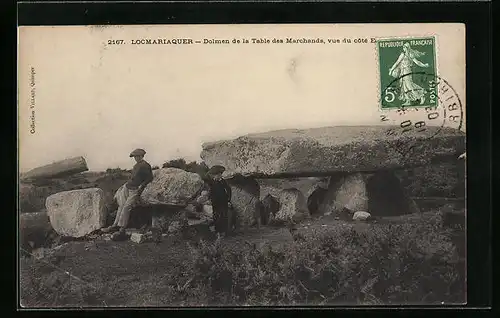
(328, 150)
(76, 213)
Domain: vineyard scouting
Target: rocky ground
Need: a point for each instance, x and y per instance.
(98, 272)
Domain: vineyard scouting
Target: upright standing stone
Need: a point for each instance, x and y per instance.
(269, 207)
(293, 206)
(348, 192)
(77, 213)
(245, 200)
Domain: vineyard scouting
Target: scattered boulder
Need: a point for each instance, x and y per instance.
(245, 200)
(293, 152)
(76, 213)
(292, 206)
(361, 216)
(208, 210)
(172, 186)
(140, 238)
(164, 216)
(203, 198)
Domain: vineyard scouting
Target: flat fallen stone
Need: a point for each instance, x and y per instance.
(77, 213)
(57, 169)
(327, 150)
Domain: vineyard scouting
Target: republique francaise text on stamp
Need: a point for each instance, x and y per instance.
(399, 59)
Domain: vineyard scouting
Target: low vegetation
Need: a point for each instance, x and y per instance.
(193, 166)
(389, 264)
(364, 264)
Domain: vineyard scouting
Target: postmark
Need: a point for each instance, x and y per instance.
(398, 60)
(429, 120)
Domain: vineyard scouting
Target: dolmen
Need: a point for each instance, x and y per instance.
(171, 195)
(359, 162)
(78, 213)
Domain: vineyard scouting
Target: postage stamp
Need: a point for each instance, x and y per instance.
(399, 60)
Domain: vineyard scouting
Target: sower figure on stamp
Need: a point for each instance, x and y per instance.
(142, 175)
(402, 69)
(220, 196)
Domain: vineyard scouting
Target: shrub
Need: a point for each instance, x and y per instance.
(445, 180)
(389, 264)
(112, 171)
(194, 167)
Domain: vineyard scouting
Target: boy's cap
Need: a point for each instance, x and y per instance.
(217, 169)
(138, 152)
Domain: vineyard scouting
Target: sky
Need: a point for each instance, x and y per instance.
(102, 101)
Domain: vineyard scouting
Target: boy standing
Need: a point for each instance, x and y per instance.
(220, 196)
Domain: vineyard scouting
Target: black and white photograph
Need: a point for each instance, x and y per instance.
(242, 165)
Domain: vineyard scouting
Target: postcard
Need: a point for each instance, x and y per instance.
(242, 165)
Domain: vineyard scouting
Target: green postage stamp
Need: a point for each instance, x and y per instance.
(407, 69)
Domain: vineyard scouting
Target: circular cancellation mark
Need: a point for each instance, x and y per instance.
(435, 104)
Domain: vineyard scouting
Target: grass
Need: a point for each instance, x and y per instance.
(347, 263)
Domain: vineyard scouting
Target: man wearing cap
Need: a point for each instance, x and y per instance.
(142, 174)
(220, 196)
